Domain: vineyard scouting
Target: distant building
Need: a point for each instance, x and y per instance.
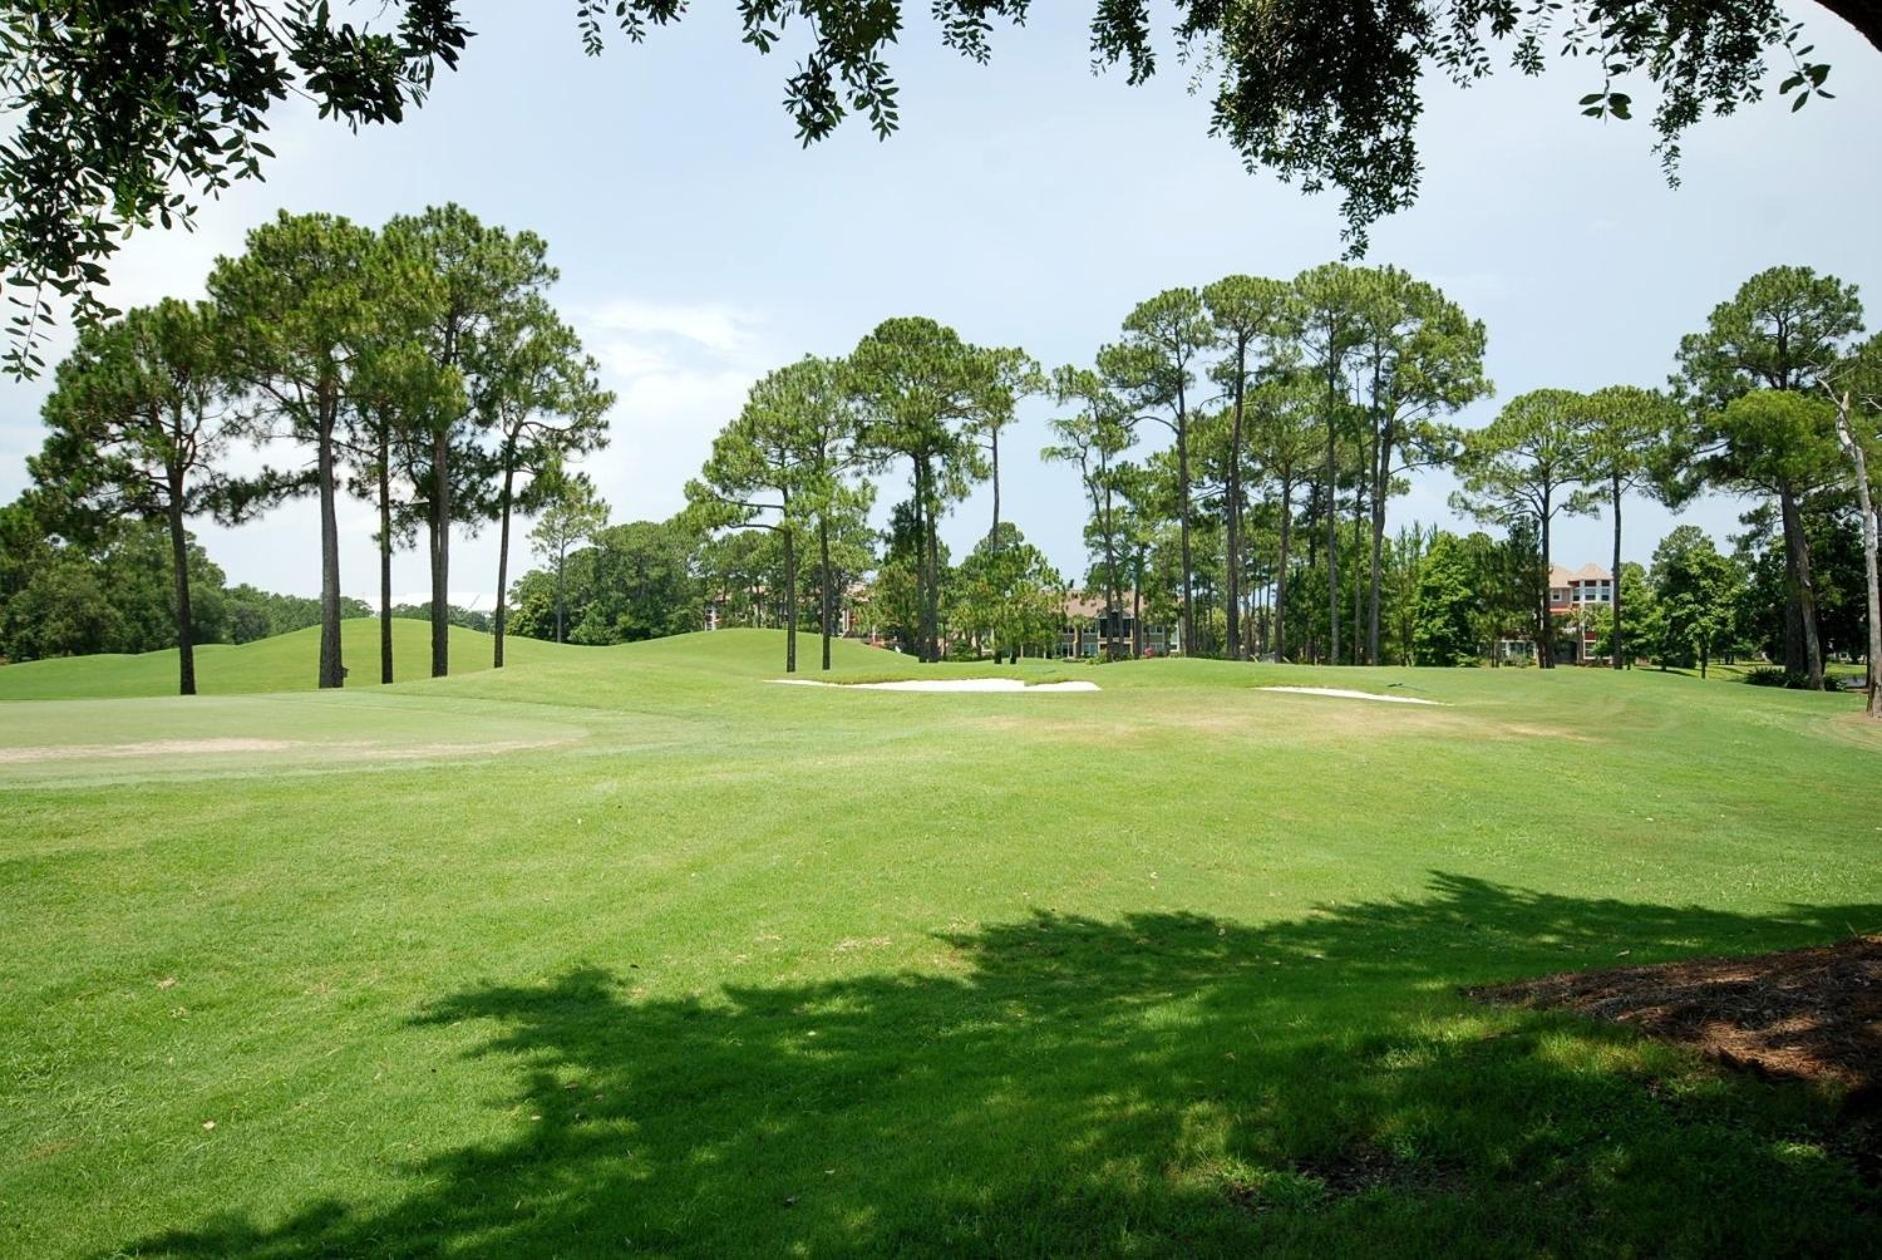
(1089, 626)
(1573, 594)
(1571, 597)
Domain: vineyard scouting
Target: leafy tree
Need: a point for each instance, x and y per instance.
(1283, 437)
(1783, 444)
(921, 394)
(898, 602)
(1152, 368)
(484, 282)
(297, 308)
(827, 434)
(1008, 596)
(125, 115)
(1094, 437)
(1520, 467)
(1329, 319)
(136, 428)
(1445, 630)
(110, 591)
(1694, 588)
(643, 584)
(1419, 358)
(572, 514)
(1248, 314)
(543, 406)
(772, 451)
(1626, 436)
(1784, 330)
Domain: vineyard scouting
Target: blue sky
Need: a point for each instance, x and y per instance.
(1027, 203)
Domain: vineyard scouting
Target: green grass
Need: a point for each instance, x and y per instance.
(624, 950)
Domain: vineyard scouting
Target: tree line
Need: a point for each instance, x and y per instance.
(1290, 414)
(420, 367)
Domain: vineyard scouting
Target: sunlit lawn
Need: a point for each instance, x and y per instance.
(625, 950)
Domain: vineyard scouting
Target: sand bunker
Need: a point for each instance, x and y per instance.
(1344, 694)
(944, 684)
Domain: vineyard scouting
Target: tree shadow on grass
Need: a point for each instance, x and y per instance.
(1161, 1084)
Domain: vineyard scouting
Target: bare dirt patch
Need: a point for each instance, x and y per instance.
(351, 750)
(1011, 686)
(1810, 1014)
(1347, 693)
(147, 748)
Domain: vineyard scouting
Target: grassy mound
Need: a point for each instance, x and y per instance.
(284, 662)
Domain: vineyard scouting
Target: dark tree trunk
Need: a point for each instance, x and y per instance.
(1381, 487)
(1279, 615)
(503, 564)
(441, 554)
(1233, 541)
(385, 555)
(994, 438)
(561, 567)
(180, 576)
(1182, 511)
(1619, 644)
(1137, 612)
(790, 584)
(1333, 534)
(1803, 591)
(1545, 627)
(927, 539)
(1359, 594)
(332, 671)
(1113, 598)
(825, 582)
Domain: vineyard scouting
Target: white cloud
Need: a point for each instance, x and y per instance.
(720, 329)
(679, 371)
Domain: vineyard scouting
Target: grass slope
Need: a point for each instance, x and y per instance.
(284, 662)
(626, 950)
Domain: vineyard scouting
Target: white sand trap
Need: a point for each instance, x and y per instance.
(943, 684)
(1344, 694)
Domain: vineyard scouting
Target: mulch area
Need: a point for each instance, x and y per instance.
(1811, 1014)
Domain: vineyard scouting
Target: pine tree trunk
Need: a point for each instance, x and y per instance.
(503, 565)
(1619, 643)
(790, 584)
(385, 555)
(440, 554)
(561, 566)
(332, 670)
(1182, 508)
(1802, 589)
(1545, 628)
(180, 577)
(1233, 542)
(995, 441)
(1279, 614)
(826, 582)
(1381, 485)
(1872, 585)
(1333, 535)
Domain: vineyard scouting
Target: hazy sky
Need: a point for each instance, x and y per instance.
(1025, 203)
